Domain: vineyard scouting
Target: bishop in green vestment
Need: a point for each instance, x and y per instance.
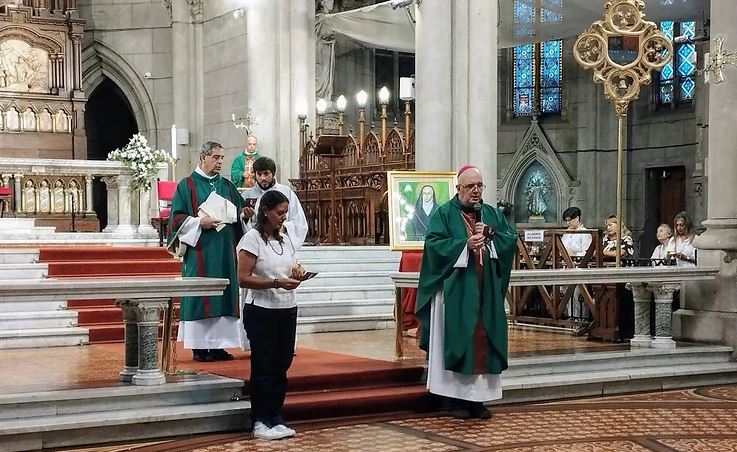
(465, 270)
(208, 324)
(241, 171)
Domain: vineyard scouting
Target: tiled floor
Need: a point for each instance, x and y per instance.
(683, 420)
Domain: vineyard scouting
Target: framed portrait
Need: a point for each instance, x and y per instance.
(414, 196)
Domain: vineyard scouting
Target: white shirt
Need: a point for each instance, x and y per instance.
(661, 251)
(577, 244)
(296, 224)
(685, 247)
(273, 260)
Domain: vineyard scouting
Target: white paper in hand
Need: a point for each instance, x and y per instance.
(219, 209)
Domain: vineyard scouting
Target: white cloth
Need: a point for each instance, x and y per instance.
(577, 244)
(476, 388)
(296, 224)
(269, 265)
(685, 247)
(190, 230)
(216, 332)
(219, 209)
(661, 251)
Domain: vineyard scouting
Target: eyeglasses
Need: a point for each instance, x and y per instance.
(472, 186)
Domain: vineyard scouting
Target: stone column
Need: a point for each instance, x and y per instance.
(130, 319)
(664, 315)
(710, 313)
(18, 192)
(88, 194)
(182, 73)
(111, 184)
(456, 70)
(281, 35)
(144, 214)
(149, 313)
(125, 199)
(641, 294)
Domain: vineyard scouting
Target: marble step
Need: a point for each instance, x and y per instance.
(353, 322)
(16, 223)
(23, 271)
(123, 425)
(340, 293)
(18, 256)
(348, 278)
(385, 264)
(542, 366)
(608, 382)
(356, 253)
(43, 337)
(30, 320)
(198, 388)
(11, 306)
(346, 307)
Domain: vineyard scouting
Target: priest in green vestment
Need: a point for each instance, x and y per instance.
(205, 216)
(466, 263)
(241, 171)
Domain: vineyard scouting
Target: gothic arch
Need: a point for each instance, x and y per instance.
(535, 147)
(100, 61)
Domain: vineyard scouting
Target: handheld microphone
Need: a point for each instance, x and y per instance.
(477, 210)
(488, 230)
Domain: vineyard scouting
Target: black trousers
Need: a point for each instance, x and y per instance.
(271, 333)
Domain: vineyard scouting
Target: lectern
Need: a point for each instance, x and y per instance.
(331, 147)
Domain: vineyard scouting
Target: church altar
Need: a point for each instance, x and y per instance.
(52, 191)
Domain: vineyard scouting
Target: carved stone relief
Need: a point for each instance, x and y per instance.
(23, 68)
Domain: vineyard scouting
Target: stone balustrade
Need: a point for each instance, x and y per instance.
(142, 300)
(644, 282)
(61, 187)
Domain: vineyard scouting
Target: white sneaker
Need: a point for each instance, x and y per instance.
(261, 431)
(283, 430)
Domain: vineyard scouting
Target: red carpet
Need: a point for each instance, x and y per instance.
(101, 317)
(324, 385)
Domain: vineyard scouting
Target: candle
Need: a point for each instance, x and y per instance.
(173, 141)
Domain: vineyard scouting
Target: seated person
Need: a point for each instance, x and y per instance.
(576, 244)
(666, 249)
(611, 225)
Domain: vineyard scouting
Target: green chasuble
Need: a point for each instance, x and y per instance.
(239, 167)
(214, 256)
(445, 240)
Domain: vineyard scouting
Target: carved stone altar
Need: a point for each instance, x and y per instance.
(41, 98)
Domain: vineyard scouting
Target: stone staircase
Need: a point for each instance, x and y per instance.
(190, 405)
(353, 290)
(39, 323)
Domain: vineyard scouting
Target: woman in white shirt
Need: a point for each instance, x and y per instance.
(266, 259)
(666, 249)
(685, 253)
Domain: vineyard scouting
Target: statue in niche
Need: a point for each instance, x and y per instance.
(73, 204)
(44, 197)
(537, 191)
(58, 197)
(29, 120)
(45, 122)
(12, 119)
(29, 197)
(61, 122)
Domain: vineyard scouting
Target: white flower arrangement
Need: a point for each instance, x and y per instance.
(142, 159)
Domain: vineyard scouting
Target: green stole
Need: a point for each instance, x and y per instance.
(214, 256)
(463, 299)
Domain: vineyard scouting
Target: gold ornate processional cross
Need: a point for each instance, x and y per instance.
(622, 50)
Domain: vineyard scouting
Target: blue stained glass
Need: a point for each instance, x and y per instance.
(686, 54)
(550, 100)
(523, 102)
(523, 79)
(524, 16)
(687, 88)
(667, 73)
(688, 29)
(550, 71)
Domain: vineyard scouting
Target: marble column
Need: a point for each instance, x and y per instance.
(18, 192)
(149, 313)
(642, 295)
(125, 199)
(130, 320)
(710, 313)
(88, 194)
(111, 184)
(280, 36)
(144, 214)
(182, 36)
(456, 90)
(664, 315)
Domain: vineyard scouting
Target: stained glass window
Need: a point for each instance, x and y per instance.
(677, 77)
(538, 67)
